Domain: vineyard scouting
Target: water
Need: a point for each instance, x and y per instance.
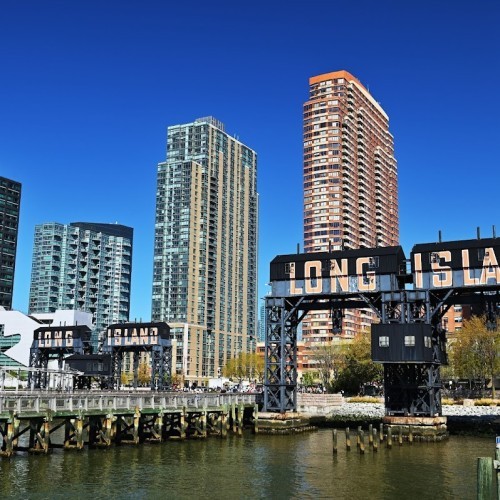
(251, 467)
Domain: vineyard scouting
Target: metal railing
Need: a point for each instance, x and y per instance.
(24, 404)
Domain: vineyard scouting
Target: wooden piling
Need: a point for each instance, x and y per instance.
(256, 419)
(137, 418)
(15, 438)
(334, 441)
(79, 433)
(223, 423)
(241, 417)
(484, 478)
(410, 434)
(358, 439)
(233, 416)
(375, 440)
(347, 439)
(158, 427)
(203, 424)
(361, 442)
(381, 432)
(370, 435)
(400, 436)
(9, 448)
(182, 423)
(389, 437)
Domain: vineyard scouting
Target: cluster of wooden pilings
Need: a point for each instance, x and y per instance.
(383, 435)
(94, 425)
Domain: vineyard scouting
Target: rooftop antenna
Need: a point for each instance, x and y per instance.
(298, 247)
(478, 233)
(494, 231)
(439, 236)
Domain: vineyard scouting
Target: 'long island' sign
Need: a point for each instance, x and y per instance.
(433, 265)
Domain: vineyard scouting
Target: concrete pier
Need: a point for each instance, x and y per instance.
(284, 423)
(417, 428)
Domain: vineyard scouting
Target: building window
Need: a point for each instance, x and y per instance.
(383, 341)
(410, 341)
(428, 342)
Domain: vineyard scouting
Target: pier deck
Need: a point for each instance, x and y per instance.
(35, 422)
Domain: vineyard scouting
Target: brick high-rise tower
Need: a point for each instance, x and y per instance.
(350, 179)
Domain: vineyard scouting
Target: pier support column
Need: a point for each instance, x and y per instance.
(183, 424)
(39, 441)
(15, 437)
(223, 422)
(137, 421)
(239, 423)
(107, 430)
(203, 424)
(256, 419)
(157, 429)
(233, 416)
(79, 433)
(8, 439)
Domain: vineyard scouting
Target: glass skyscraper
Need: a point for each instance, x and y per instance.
(83, 266)
(10, 200)
(205, 253)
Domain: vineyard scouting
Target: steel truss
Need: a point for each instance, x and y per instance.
(409, 388)
(39, 358)
(160, 363)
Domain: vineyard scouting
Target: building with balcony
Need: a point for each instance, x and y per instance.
(350, 181)
(83, 266)
(10, 201)
(205, 253)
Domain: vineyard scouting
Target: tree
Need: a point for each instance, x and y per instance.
(125, 378)
(144, 374)
(328, 360)
(358, 368)
(475, 353)
(245, 366)
(308, 379)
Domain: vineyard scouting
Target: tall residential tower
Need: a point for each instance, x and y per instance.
(83, 266)
(350, 179)
(205, 255)
(10, 200)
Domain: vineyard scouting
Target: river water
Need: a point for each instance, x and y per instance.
(251, 467)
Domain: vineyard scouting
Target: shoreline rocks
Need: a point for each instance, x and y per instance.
(460, 419)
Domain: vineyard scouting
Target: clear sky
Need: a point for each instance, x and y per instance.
(87, 89)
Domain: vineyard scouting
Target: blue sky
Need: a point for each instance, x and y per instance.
(87, 89)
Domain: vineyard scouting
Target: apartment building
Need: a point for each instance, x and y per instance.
(205, 254)
(83, 266)
(10, 201)
(350, 181)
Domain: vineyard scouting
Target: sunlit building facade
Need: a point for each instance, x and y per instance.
(350, 181)
(83, 266)
(205, 254)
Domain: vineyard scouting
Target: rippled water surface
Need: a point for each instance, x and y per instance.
(298, 467)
